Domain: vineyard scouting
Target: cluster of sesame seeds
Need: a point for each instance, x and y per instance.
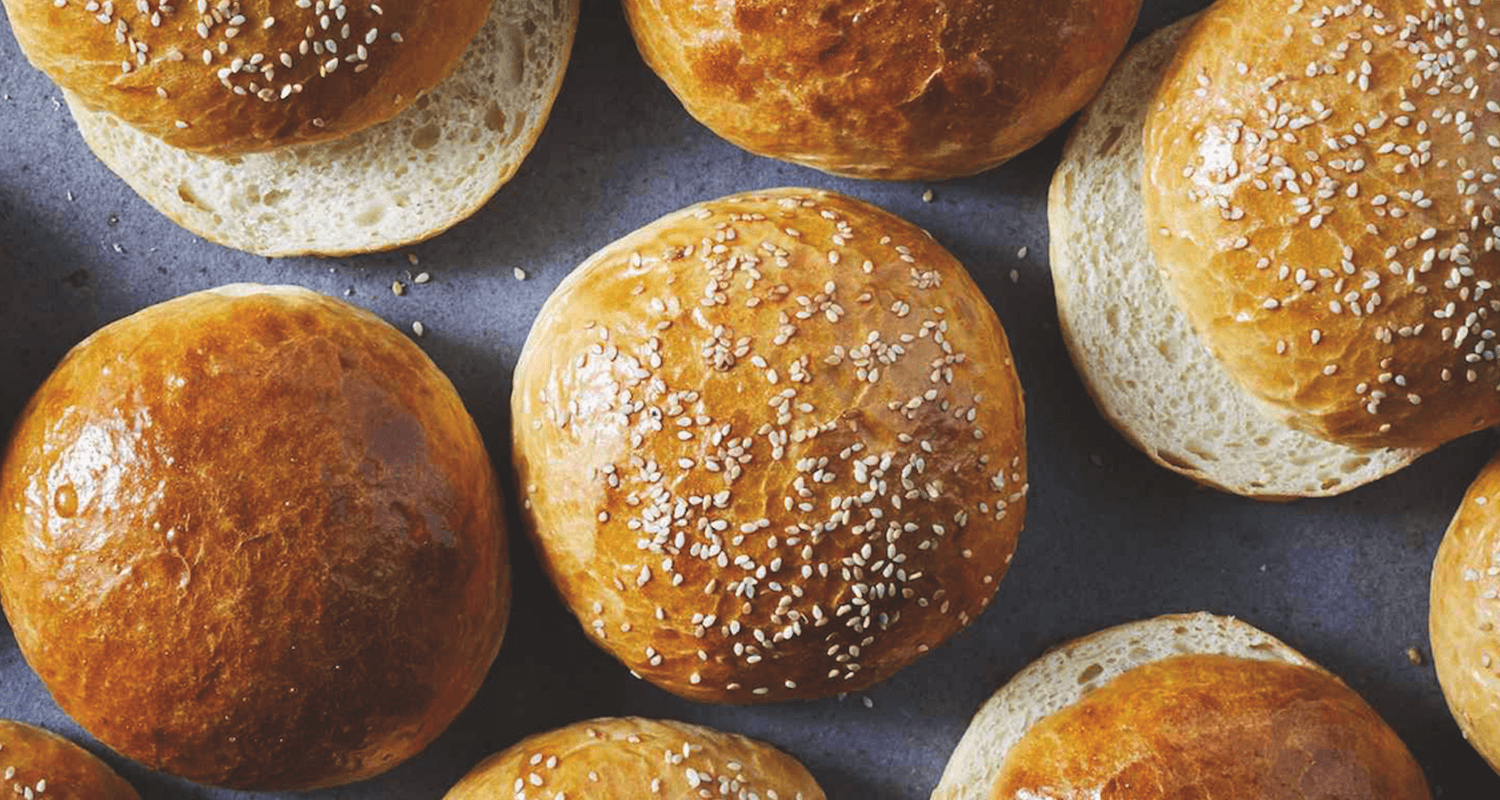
(1487, 575)
(1422, 174)
(334, 35)
(28, 789)
(683, 769)
(833, 516)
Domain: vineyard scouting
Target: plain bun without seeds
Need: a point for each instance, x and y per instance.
(1321, 194)
(1179, 706)
(36, 764)
(252, 538)
(771, 446)
(886, 90)
(637, 759)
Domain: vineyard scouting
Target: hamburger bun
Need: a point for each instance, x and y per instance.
(1144, 365)
(1320, 193)
(388, 186)
(771, 446)
(1179, 706)
(252, 538)
(894, 91)
(1464, 612)
(223, 78)
(35, 763)
(637, 759)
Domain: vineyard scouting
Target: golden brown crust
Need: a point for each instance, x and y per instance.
(252, 538)
(1320, 193)
(637, 759)
(224, 78)
(771, 446)
(1465, 611)
(1214, 727)
(35, 764)
(896, 91)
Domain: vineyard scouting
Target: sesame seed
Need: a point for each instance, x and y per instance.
(1301, 151)
(848, 515)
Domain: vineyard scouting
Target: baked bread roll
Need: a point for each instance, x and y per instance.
(224, 78)
(1463, 614)
(1320, 193)
(895, 91)
(253, 539)
(1144, 365)
(1179, 706)
(306, 126)
(637, 759)
(36, 764)
(388, 186)
(771, 446)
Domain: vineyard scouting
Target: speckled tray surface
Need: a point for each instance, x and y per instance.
(1109, 537)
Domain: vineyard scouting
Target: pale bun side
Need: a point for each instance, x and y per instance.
(395, 184)
(1147, 370)
(1320, 194)
(637, 759)
(893, 91)
(37, 764)
(252, 538)
(226, 78)
(1464, 614)
(1066, 674)
(771, 446)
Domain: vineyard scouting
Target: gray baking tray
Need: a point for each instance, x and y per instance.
(1109, 538)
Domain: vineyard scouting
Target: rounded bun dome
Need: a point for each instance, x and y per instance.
(771, 446)
(225, 77)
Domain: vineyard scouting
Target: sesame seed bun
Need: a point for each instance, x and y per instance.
(894, 91)
(637, 759)
(1179, 706)
(1144, 365)
(1320, 193)
(400, 182)
(253, 539)
(222, 78)
(771, 446)
(1464, 612)
(36, 764)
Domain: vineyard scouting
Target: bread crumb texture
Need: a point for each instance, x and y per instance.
(391, 185)
(1214, 726)
(1146, 368)
(1067, 673)
(1323, 194)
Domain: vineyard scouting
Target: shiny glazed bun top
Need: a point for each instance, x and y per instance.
(252, 538)
(1321, 194)
(1465, 613)
(225, 77)
(896, 89)
(36, 764)
(638, 759)
(771, 446)
(1212, 726)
